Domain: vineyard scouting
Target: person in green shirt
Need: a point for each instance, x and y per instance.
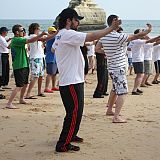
(20, 63)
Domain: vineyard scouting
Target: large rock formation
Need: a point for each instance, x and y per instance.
(94, 16)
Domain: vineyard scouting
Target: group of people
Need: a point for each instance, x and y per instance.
(67, 47)
(30, 54)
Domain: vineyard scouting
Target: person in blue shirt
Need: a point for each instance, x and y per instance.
(51, 65)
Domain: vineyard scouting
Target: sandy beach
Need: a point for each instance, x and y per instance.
(31, 132)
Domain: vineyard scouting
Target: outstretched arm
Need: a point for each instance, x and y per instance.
(141, 34)
(36, 38)
(99, 34)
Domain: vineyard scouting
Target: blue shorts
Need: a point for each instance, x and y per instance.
(51, 68)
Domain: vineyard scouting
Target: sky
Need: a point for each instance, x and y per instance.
(49, 9)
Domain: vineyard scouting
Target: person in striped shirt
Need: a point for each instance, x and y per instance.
(113, 45)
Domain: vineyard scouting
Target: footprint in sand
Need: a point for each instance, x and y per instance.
(143, 120)
(37, 110)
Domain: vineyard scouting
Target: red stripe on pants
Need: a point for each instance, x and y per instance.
(74, 117)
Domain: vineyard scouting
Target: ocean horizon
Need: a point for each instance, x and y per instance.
(128, 25)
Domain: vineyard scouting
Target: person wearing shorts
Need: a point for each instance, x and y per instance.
(20, 63)
(137, 48)
(148, 49)
(113, 45)
(36, 57)
(51, 65)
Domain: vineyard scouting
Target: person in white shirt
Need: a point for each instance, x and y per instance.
(4, 51)
(113, 45)
(91, 55)
(137, 48)
(156, 59)
(70, 64)
(148, 49)
(36, 58)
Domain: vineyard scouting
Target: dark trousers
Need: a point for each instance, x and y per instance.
(102, 75)
(73, 101)
(5, 69)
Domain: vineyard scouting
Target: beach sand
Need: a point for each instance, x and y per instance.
(31, 132)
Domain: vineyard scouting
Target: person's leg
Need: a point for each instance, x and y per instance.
(30, 87)
(12, 96)
(73, 100)
(145, 77)
(137, 82)
(23, 90)
(48, 79)
(40, 79)
(98, 93)
(5, 69)
(157, 73)
(53, 81)
(79, 90)
(139, 70)
(8, 71)
(106, 79)
(111, 101)
(119, 104)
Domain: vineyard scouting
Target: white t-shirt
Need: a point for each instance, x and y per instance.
(156, 53)
(36, 49)
(148, 49)
(69, 57)
(91, 50)
(113, 45)
(3, 45)
(129, 54)
(137, 50)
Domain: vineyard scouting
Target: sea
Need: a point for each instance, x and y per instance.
(128, 25)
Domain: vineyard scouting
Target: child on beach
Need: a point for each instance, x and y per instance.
(20, 63)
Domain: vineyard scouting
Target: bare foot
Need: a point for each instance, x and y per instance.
(22, 101)
(109, 113)
(119, 120)
(11, 106)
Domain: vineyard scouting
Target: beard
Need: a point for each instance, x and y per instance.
(73, 27)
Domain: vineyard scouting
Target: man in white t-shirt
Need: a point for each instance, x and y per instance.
(70, 64)
(148, 49)
(4, 51)
(113, 45)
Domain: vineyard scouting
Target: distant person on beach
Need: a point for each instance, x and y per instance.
(1, 95)
(70, 63)
(102, 74)
(91, 56)
(20, 63)
(156, 59)
(148, 50)
(36, 59)
(137, 48)
(84, 53)
(51, 65)
(4, 50)
(113, 45)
